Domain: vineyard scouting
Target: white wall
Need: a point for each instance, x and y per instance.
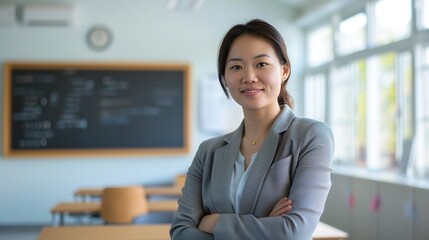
(143, 31)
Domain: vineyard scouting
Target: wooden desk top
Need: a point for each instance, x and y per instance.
(96, 192)
(150, 191)
(327, 232)
(111, 232)
(76, 208)
(95, 207)
(164, 191)
(148, 232)
(162, 206)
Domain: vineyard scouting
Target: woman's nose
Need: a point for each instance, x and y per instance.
(249, 76)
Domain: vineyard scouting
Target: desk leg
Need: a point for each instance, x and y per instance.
(61, 219)
(54, 222)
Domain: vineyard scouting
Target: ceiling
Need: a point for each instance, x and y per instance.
(306, 12)
(310, 11)
(304, 5)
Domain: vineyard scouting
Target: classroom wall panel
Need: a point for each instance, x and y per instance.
(395, 214)
(377, 207)
(365, 210)
(421, 212)
(338, 205)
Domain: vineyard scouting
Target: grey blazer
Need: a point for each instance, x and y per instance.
(293, 161)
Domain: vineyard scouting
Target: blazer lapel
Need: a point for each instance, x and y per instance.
(257, 173)
(263, 161)
(223, 165)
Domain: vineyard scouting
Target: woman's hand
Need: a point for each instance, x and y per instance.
(281, 208)
(208, 223)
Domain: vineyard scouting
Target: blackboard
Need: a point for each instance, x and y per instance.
(95, 109)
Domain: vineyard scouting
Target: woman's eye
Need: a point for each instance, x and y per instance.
(262, 64)
(236, 67)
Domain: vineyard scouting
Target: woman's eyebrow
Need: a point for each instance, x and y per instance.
(262, 55)
(234, 59)
(257, 56)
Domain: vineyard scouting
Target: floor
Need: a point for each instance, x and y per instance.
(32, 232)
(19, 232)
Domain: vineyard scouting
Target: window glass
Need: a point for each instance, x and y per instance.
(424, 14)
(421, 165)
(347, 113)
(392, 20)
(315, 96)
(381, 111)
(405, 96)
(426, 57)
(352, 34)
(320, 45)
(406, 83)
(424, 123)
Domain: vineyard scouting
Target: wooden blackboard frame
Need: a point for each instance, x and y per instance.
(9, 67)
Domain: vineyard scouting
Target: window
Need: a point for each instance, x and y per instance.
(405, 130)
(352, 34)
(426, 58)
(315, 96)
(381, 111)
(373, 101)
(421, 165)
(348, 103)
(392, 20)
(320, 45)
(424, 14)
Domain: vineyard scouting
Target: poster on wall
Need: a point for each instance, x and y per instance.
(218, 114)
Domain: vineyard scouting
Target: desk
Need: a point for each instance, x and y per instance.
(148, 232)
(111, 232)
(327, 232)
(95, 207)
(150, 191)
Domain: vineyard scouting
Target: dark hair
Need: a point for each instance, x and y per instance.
(258, 28)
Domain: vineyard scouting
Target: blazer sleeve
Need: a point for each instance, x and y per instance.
(190, 211)
(310, 187)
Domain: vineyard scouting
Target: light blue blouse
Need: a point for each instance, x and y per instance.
(239, 178)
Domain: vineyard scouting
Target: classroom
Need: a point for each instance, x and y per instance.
(360, 66)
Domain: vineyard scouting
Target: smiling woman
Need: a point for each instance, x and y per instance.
(269, 178)
(253, 71)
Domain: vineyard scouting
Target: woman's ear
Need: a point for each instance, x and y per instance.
(286, 72)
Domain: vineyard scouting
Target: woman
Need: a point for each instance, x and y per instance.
(242, 185)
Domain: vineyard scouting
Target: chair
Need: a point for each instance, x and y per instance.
(123, 204)
(180, 180)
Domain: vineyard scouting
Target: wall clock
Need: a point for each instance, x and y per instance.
(99, 37)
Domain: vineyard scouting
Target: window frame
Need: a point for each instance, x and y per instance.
(404, 45)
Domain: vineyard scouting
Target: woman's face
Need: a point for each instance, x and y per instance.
(253, 73)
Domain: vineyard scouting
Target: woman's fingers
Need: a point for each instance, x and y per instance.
(282, 207)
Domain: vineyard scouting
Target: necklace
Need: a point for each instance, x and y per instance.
(253, 141)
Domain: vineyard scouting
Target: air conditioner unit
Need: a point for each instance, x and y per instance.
(7, 14)
(48, 15)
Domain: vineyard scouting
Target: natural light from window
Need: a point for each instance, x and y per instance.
(320, 45)
(424, 13)
(381, 111)
(352, 34)
(421, 165)
(377, 104)
(392, 20)
(315, 97)
(348, 104)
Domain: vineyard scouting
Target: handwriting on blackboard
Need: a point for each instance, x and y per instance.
(97, 109)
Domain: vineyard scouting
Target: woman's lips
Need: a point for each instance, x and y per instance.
(251, 92)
